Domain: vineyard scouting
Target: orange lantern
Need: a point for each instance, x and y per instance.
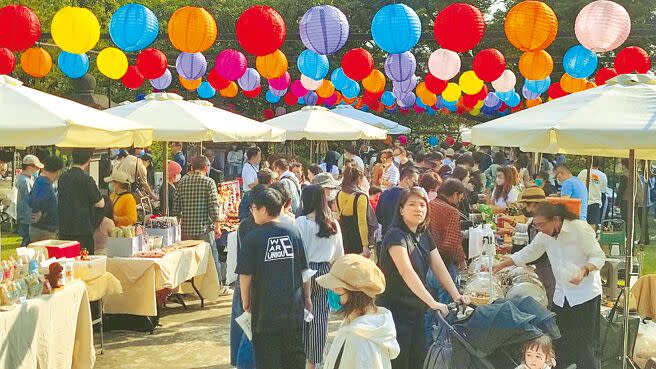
(536, 65)
(36, 62)
(428, 98)
(534, 102)
(571, 85)
(590, 85)
(230, 91)
(192, 29)
(347, 100)
(338, 97)
(531, 25)
(326, 90)
(190, 85)
(388, 140)
(272, 65)
(375, 81)
(358, 103)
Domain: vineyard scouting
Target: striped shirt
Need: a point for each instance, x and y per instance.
(391, 175)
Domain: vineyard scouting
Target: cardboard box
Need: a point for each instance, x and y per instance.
(87, 270)
(124, 247)
(169, 235)
(58, 248)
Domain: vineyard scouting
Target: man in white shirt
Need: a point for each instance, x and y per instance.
(352, 153)
(251, 167)
(598, 186)
(234, 158)
(576, 258)
(391, 173)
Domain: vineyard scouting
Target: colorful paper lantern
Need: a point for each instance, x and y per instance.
(399, 67)
(163, 82)
(388, 98)
(406, 100)
(73, 65)
(230, 91)
(205, 90)
(20, 27)
(470, 83)
(250, 80)
(538, 87)
(533, 102)
(506, 82)
(536, 65)
(151, 63)
(290, 99)
(191, 66)
(339, 79)
(133, 27)
(310, 84)
(281, 82)
(352, 91)
(357, 64)
(579, 62)
(7, 61)
(555, 91)
(571, 85)
(428, 98)
(528, 94)
(311, 98)
(192, 29)
(326, 90)
(112, 62)
(271, 98)
(313, 65)
(261, 30)
(230, 64)
(375, 81)
(280, 111)
(132, 79)
(604, 74)
(459, 27)
(251, 94)
(298, 89)
(36, 62)
(75, 30)
(531, 25)
(396, 28)
(434, 84)
(272, 65)
(279, 93)
(190, 85)
(404, 86)
(489, 64)
(444, 64)
(491, 100)
(452, 92)
(602, 26)
(216, 81)
(324, 29)
(632, 59)
(268, 113)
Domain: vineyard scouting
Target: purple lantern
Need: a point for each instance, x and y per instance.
(230, 64)
(491, 100)
(280, 111)
(250, 80)
(163, 82)
(297, 89)
(406, 100)
(324, 29)
(400, 67)
(528, 94)
(311, 98)
(281, 82)
(191, 66)
(278, 93)
(404, 86)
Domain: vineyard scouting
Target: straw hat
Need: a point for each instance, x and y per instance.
(354, 273)
(532, 194)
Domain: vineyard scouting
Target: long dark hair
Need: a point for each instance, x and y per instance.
(314, 200)
(405, 196)
(551, 211)
(509, 182)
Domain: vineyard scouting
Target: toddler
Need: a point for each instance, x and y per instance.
(538, 354)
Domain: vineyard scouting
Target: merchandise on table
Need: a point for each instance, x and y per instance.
(229, 199)
(481, 290)
(165, 227)
(126, 241)
(19, 281)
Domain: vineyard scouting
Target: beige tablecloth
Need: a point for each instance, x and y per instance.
(103, 286)
(141, 278)
(50, 331)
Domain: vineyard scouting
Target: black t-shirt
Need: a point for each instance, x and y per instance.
(387, 207)
(419, 247)
(77, 195)
(408, 164)
(273, 254)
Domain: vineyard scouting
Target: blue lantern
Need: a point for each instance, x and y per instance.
(311, 98)
(388, 98)
(351, 91)
(514, 100)
(271, 98)
(73, 65)
(452, 108)
(301, 101)
(140, 96)
(340, 80)
(505, 96)
(430, 111)
(420, 103)
(539, 86)
(206, 91)
(580, 62)
(364, 108)
(396, 28)
(313, 65)
(133, 27)
(433, 141)
(449, 104)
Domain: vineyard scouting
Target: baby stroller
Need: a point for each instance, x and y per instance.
(491, 336)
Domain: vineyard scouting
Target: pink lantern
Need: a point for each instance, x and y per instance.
(403, 139)
(230, 64)
(297, 89)
(602, 25)
(281, 82)
(506, 82)
(280, 111)
(331, 100)
(310, 84)
(444, 64)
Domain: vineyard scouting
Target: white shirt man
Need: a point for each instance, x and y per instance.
(251, 168)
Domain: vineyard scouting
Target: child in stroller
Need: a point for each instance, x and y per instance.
(538, 354)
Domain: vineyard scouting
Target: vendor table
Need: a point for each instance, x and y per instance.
(142, 277)
(49, 331)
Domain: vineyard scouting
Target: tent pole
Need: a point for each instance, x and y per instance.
(628, 262)
(588, 175)
(644, 238)
(165, 182)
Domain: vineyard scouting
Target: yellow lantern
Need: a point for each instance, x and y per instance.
(536, 65)
(531, 25)
(475, 112)
(36, 62)
(192, 29)
(452, 92)
(571, 85)
(470, 83)
(112, 62)
(272, 65)
(479, 104)
(230, 91)
(374, 82)
(326, 90)
(190, 85)
(75, 30)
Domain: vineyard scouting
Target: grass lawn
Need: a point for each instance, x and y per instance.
(10, 242)
(649, 260)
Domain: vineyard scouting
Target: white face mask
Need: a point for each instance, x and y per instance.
(432, 195)
(397, 159)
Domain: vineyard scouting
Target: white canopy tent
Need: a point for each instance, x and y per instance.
(34, 118)
(617, 119)
(390, 126)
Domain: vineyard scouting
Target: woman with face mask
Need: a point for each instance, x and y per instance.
(430, 181)
(174, 174)
(505, 192)
(124, 206)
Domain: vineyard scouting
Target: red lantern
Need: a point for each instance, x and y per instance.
(357, 64)
(370, 99)
(434, 84)
(517, 108)
(132, 79)
(7, 61)
(377, 95)
(489, 64)
(482, 94)
(459, 27)
(151, 63)
(604, 74)
(216, 81)
(261, 30)
(253, 93)
(269, 113)
(632, 59)
(470, 101)
(290, 99)
(20, 28)
(555, 91)
(449, 140)
(503, 107)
